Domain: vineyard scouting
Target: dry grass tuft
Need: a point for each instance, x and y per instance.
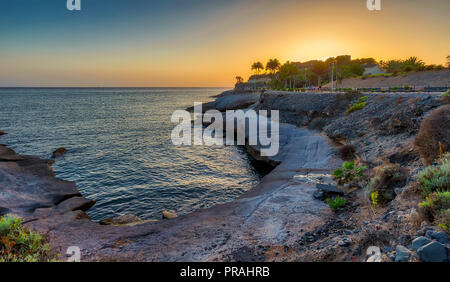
(347, 152)
(387, 178)
(433, 138)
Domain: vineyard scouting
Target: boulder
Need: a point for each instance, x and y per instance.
(168, 214)
(27, 183)
(441, 236)
(59, 152)
(420, 242)
(433, 252)
(75, 203)
(402, 254)
(2, 133)
(121, 220)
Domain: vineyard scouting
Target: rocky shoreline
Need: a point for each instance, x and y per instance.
(253, 227)
(279, 220)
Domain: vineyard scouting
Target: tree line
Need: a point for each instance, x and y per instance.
(317, 72)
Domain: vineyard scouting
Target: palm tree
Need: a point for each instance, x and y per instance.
(257, 67)
(413, 64)
(273, 65)
(239, 80)
(448, 61)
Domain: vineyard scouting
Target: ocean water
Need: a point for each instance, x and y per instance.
(119, 147)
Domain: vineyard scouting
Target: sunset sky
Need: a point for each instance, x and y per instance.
(204, 42)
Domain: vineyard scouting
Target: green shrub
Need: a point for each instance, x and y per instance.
(436, 207)
(438, 200)
(434, 182)
(381, 74)
(349, 172)
(445, 97)
(359, 105)
(436, 178)
(362, 99)
(20, 245)
(336, 202)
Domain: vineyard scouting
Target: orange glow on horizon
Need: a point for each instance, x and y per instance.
(218, 46)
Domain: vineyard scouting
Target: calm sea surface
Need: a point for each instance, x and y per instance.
(119, 148)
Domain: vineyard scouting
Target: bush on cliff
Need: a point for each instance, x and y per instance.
(387, 178)
(359, 105)
(434, 183)
(350, 173)
(436, 178)
(433, 138)
(436, 208)
(445, 97)
(20, 245)
(336, 203)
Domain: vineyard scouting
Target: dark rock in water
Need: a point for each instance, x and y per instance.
(326, 191)
(169, 214)
(59, 152)
(2, 133)
(120, 220)
(402, 254)
(441, 236)
(433, 252)
(420, 242)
